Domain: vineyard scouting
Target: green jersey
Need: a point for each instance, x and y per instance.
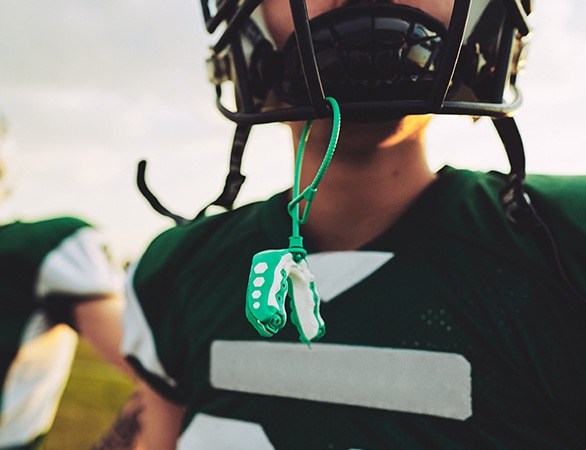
(45, 268)
(449, 330)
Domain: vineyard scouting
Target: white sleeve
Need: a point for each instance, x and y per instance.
(79, 266)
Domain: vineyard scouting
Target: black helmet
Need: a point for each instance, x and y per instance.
(379, 60)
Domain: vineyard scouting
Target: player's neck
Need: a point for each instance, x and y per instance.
(364, 192)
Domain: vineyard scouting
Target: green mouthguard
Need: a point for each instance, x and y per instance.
(276, 275)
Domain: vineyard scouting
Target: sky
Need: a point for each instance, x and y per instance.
(90, 88)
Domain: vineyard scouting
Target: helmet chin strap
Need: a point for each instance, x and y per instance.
(516, 203)
(517, 206)
(152, 199)
(232, 185)
(234, 179)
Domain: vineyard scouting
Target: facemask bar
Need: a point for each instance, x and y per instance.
(518, 11)
(447, 67)
(313, 81)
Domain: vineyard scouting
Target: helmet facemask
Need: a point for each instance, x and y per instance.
(378, 59)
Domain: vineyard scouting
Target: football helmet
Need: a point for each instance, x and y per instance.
(380, 60)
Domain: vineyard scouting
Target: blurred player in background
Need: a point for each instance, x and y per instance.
(56, 282)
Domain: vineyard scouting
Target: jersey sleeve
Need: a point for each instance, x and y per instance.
(173, 301)
(141, 342)
(79, 267)
(152, 340)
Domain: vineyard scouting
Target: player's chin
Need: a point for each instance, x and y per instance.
(377, 125)
(372, 118)
(383, 133)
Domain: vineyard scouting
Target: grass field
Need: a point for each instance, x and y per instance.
(90, 402)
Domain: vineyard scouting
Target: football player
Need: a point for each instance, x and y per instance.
(56, 281)
(453, 301)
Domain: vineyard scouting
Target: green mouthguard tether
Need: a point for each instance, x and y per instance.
(278, 274)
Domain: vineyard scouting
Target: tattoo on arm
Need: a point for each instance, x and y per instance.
(125, 431)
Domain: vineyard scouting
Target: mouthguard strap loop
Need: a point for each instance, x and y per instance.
(309, 192)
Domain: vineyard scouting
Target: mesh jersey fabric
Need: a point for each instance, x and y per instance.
(460, 281)
(46, 267)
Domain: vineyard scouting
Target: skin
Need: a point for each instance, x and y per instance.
(376, 174)
(92, 317)
(160, 422)
(280, 23)
(124, 433)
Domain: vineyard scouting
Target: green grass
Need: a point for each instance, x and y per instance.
(94, 393)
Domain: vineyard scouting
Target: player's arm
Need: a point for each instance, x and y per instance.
(160, 421)
(99, 322)
(125, 432)
(78, 285)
